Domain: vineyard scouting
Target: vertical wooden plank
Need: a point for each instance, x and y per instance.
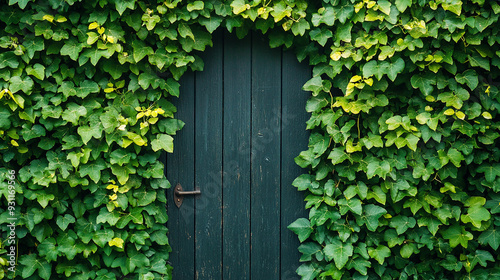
(294, 139)
(208, 165)
(236, 198)
(180, 169)
(266, 160)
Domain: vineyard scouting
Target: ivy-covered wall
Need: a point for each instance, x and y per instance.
(403, 158)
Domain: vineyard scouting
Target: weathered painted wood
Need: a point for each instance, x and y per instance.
(265, 160)
(294, 138)
(245, 122)
(236, 159)
(208, 167)
(180, 169)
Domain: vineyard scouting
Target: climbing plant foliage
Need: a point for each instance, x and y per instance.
(403, 158)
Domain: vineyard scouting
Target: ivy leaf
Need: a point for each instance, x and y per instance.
(136, 259)
(303, 182)
(455, 156)
(120, 157)
(301, 227)
(72, 48)
(22, 3)
(161, 59)
(110, 120)
(239, 6)
(300, 27)
(185, 31)
(37, 70)
(8, 59)
(454, 99)
(477, 60)
(107, 217)
(468, 77)
(51, 112)
(122, 5)
(163, 142)
(319, 216)
(102, 237)
(373, 68)
(211, 23)
(431, 223)
(353, 205)
(315, 85)
(380, 253)
(87, 132)
(195, 6)
(402, 223)
(370, 216)
(144, 197)
(154, 171)
(32, 132)
(141, 50)
(30, 265)
(321, 35)
(393, 69)
(493, 204)
(481, 257)
(122, 173)
(490, 237)
(424, 83)
(58, 161)
(403, 4)
(17, 84)
(475, 215)
(93, 54)
(308, 271)
(339, 252)
(160, 237)
(48, 249)
(135, 216)
(426, 118)
(93, 169)
(43, 198)
(147, 79)
(64, 221)
(315, 104)
(345, 11)
(407, 250)
(139, 237)
(384, 6)
(491, 171)
(33, 44)
(395, 121)
(308, 250)
(67, 89)
(117, 241)
(280, 10)
(73, 113)
(376, 167)
(457, 234)
(87, 87)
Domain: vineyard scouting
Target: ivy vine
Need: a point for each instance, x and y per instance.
(403, 158)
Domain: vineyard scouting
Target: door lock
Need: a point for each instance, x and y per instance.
(179, 194)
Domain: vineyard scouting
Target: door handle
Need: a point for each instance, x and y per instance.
(179, 194)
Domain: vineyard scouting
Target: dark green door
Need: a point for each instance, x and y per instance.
(245, 122)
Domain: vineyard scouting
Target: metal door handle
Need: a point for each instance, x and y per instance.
(179, 194)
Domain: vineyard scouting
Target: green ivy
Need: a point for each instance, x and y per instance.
(404, 154)
(404, 151)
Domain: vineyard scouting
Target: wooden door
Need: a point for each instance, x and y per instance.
(245, 122)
